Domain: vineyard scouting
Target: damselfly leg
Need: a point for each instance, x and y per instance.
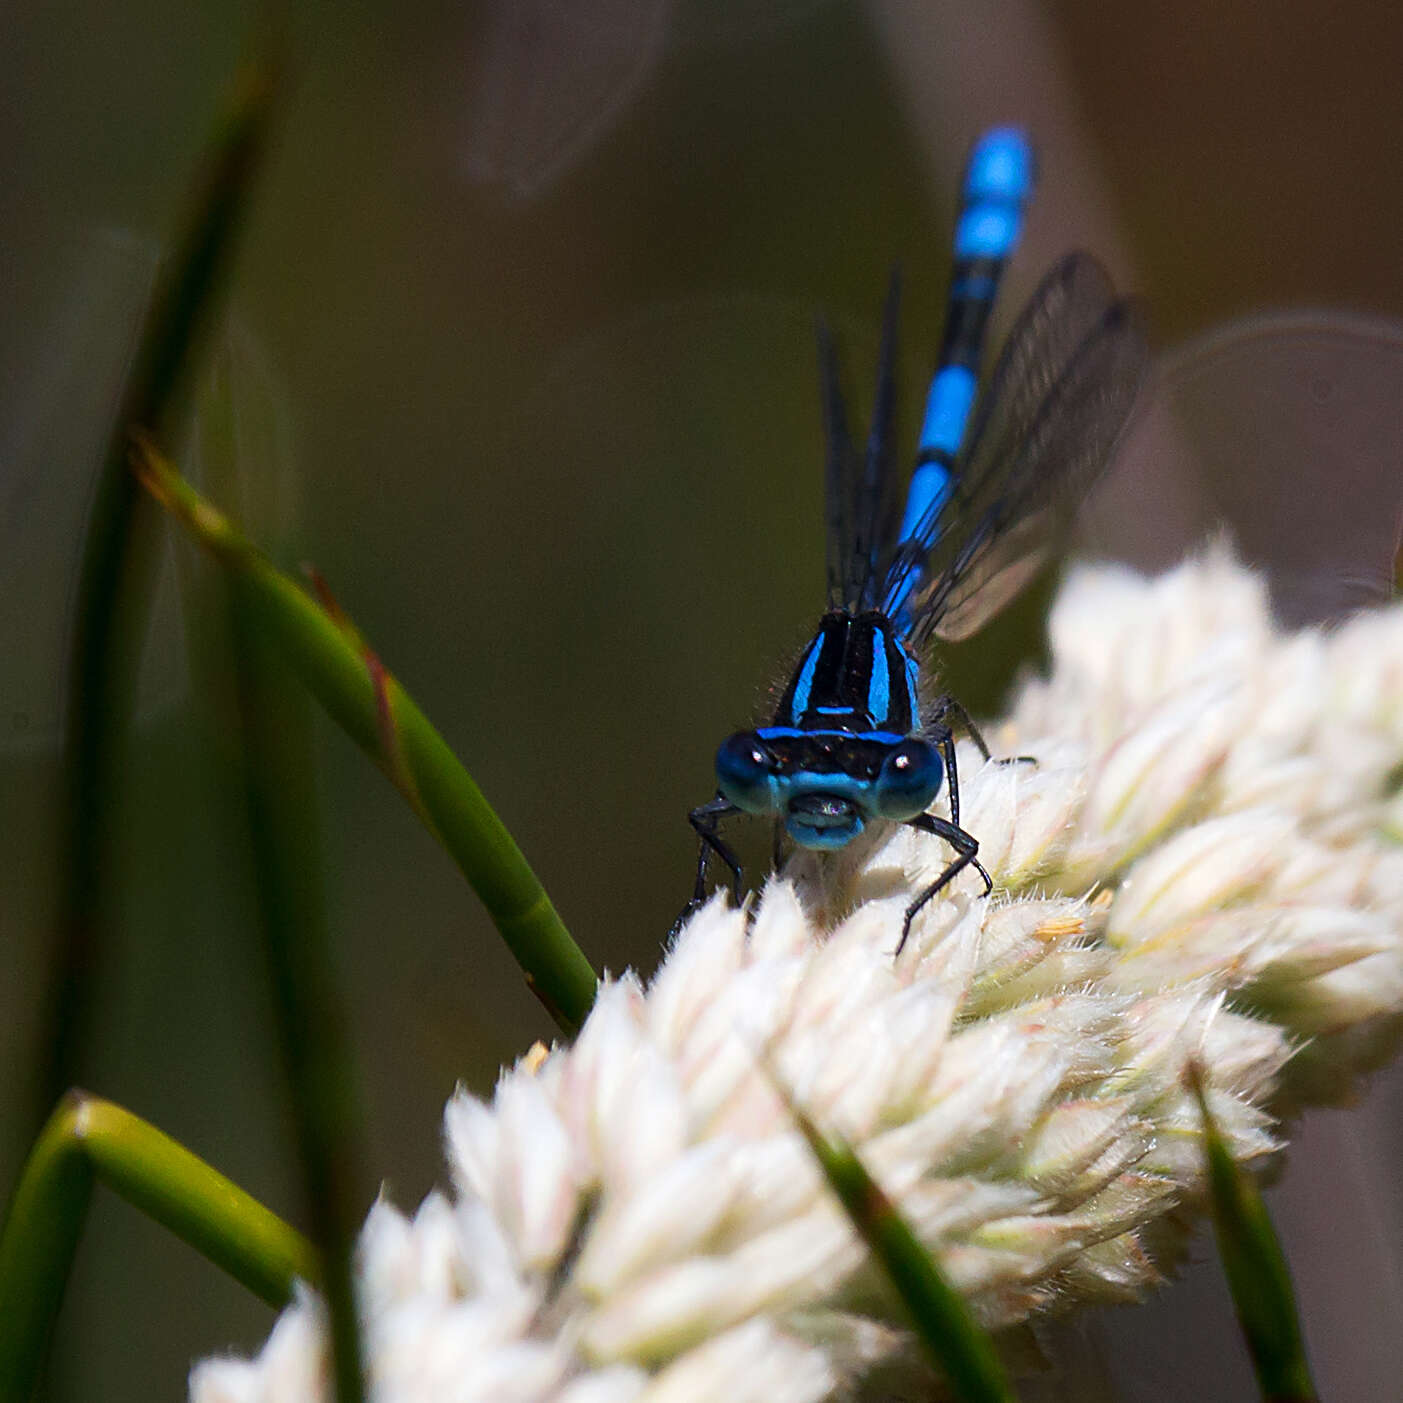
(965, 845)
(704, 819)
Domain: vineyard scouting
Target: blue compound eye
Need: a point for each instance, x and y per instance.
(908, 780)
(745, 772)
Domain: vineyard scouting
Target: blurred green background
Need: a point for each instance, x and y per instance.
(522, 330)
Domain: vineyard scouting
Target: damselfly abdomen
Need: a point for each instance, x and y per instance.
(998, 475)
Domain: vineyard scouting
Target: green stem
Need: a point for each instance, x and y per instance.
(88, 1138)
(334, 663)
(117, 574)
(1256, 1268)
(282, 810)
(952, 1340)
(262, 732)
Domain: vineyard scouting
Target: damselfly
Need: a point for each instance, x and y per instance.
(994, 486)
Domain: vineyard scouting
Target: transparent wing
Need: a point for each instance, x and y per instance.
(840, 472)
(1072, 297)
(863, 500)
(1070, 379)
(1066, 308)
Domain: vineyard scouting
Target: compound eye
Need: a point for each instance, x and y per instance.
(745, 772)
(909, 780)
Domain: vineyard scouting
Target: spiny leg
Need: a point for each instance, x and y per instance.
(943, 738)
(966, 845)
(704, 820)
(948, 706)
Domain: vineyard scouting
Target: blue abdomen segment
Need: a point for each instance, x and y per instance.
(997, 186)
(1000, 169)
(947, 412)
(947, 408)
(987, 231)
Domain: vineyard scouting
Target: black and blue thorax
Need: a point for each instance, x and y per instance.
(855, 678)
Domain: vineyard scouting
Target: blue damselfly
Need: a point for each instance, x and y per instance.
(860, 734)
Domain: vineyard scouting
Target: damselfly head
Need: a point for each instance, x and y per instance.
(827, 785)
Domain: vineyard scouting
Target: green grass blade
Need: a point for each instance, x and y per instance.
(86, 1139)
(268, 760)
(116, 574)
(283, 827)
(331, 659)
(952, 1340)
(1256, 1270)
